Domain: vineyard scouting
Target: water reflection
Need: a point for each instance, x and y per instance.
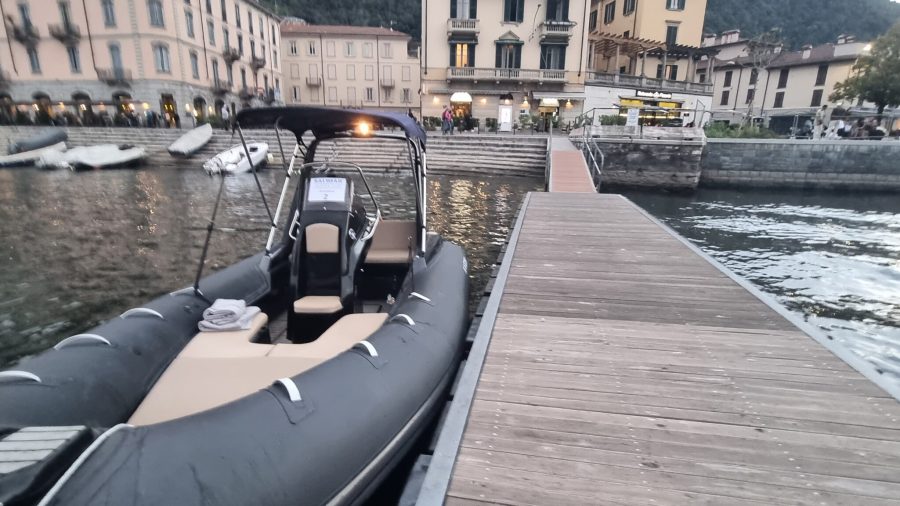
(834, 259)
(81, 248)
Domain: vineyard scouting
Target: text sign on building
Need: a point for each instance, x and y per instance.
(633, 117)
(653, 94)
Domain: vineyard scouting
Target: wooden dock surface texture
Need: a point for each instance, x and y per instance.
(624, 368)
(568, 170)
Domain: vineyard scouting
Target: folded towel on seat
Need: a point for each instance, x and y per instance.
(225, 311)
(241, 323)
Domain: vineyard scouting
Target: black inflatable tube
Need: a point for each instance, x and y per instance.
(42, 140)
(265, 449)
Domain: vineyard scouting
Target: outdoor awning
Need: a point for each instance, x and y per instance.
(558, 95)
(549, 102)
(461, 97)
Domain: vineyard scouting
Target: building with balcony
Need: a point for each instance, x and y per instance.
(500, 60)
(644, 54)
(781, 89)
(102, 60)
(350, 66)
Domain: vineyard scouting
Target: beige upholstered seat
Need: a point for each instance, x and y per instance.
(341, 336)
(318, 304)
(322, 238)
(392, 242)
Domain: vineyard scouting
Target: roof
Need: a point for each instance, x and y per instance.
(295, 28)
(817, 55)
(323, 121)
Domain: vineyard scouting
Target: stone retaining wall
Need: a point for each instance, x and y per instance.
(650, 163)
(851, 165)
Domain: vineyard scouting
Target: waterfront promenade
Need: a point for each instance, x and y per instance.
(617, 364)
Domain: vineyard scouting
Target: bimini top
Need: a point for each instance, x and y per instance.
(324, 121)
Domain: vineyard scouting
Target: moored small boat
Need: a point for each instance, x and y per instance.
(234, 159)
(41, 140)
(192, 141)
(25, 158)
(100, 156)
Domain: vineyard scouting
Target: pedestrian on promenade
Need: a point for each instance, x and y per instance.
(226, 118)
(823, 118)
(446, 121)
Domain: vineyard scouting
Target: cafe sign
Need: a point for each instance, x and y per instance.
(653, 94)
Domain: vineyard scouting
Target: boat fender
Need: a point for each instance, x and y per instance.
(286, 393)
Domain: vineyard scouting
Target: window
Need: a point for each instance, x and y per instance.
(109, 12)
(156, 12)
(329, 49)
(671, 35)
(783, 78)
(274, 38)
(609, 13)
(331, 70)
(34, 60)
(262, 31)
(195, 65)
(750, 94)
(513, 11)
(349, 49)
(405, 73)
(74, 60)
(224, 11)
(557, 10)
(553, 57)
(230, 73)
(243, 78)
(701, 77)
(592, 21)
(295, 93)
(274, 59)
(462, 55)
(407, 95)
(351, 95)
(509, 56)
(754, 76)
(675, 5)
(115, 56)
(463, 9)
(779, 100)
(211, 30)
(351, 72)
(387, 94)
(311, 49)
(215, 70)
(821, 75)
(728, 76)
(386, 50)
(314, 95)
(237, 15)
(370, 73)
(725, 96)
(816, 98)
(292, 48)
(671, 72)
(367, 50)
(332, 93)
(64, 14)
(250, 21)
(240, 47)
(226, 39)
(25, 13)
(627, 34)
(161, 58)
(628, 7)
(253, 48)
(189, 21)
(209, 6)
(370, 94)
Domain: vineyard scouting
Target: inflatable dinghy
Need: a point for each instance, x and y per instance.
(234, 159)
(100, 156)
(26, 158)
(42, 140)
(192, 141)
(360, 332)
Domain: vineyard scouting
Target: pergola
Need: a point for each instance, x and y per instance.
(608, 45)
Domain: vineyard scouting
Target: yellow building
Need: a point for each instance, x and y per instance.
(500, 60)
(644, 54)
(349, 66)
(104, 58)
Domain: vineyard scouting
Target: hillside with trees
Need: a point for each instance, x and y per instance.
(401, 15)
(803, 21)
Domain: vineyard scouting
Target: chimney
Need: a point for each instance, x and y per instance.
(731, 36)
(850, 38)
(807, 49)
(709, 39)
(842, 39)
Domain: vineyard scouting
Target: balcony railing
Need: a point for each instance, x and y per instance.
(462, 26)
(495, 74)
(556, 30)
(114, 76)
(221, 86)
(230, 55)
(649, 83)
(247, 92)
(66, 33)
(26, 34)
(258, 62)
(313, 81)
(387, 82)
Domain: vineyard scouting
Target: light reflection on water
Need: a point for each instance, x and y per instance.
(81, 248)
(832, 258)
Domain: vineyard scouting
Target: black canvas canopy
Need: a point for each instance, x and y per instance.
(322, 121)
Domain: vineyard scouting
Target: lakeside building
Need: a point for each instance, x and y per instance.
(789, 90)
(349, 66)
(104, 60)
(644, 55)
(499, 60)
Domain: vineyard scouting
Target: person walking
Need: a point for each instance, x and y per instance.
(823, 118)
(446, 121)
(226, 118)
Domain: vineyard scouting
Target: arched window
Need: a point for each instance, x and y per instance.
(161, 57)
(156, 12)
(109, 12)
(195, 65)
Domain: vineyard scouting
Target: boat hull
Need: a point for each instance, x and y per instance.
(41, 140)
(234, 159)
(26, 158)
(191, 142)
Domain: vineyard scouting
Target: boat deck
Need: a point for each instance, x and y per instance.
(618, 364)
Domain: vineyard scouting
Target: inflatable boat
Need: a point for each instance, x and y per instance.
(192, 141)
(314, 402)
(100, 156)
(25, 158)
(42, 140)
(238, 159)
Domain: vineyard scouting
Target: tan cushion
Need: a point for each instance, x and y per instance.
(391, 243)
(340, 337)
(229, 344)
(318, 304)
(322, 238)
(193, 384)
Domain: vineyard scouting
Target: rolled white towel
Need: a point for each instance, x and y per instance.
(242, 323)
(225, 311)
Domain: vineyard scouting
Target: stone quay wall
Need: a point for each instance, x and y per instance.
(781, 163)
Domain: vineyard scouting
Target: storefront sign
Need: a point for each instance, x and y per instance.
(633, 116)
(653, 94)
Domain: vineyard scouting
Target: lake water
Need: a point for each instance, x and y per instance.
(832, 258)
(80, 248)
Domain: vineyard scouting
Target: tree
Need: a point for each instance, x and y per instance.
(762, 50)
(876, 74)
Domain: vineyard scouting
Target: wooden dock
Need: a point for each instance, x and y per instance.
(618, 364)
